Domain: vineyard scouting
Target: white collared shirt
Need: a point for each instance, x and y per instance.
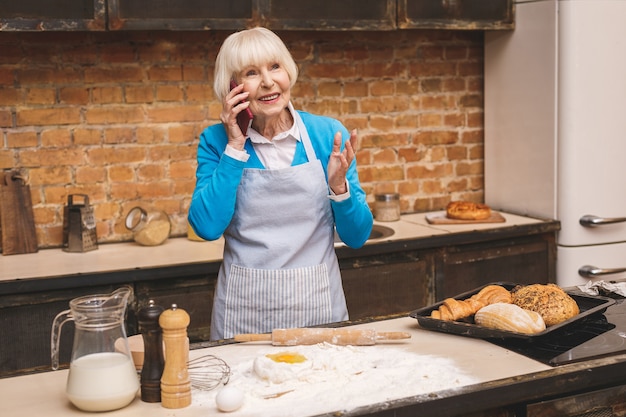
(279, 152)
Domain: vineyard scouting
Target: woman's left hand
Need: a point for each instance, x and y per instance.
(340, 161)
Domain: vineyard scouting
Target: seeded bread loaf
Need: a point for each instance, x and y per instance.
(549, 300)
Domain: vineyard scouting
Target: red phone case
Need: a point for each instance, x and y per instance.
(244, 118)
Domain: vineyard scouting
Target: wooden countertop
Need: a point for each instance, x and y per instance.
(503, 378)
(129, 256)
(480, 359)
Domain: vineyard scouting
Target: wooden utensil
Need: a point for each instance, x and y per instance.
(311, 336)
(17, 221)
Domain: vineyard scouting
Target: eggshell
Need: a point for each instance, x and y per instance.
(229, 399)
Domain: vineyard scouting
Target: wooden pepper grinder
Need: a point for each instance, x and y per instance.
(153, 362)
(175, 383)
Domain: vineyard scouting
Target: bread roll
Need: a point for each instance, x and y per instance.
(466, 210)
(509, 317)
(549, 300)
(492, 294)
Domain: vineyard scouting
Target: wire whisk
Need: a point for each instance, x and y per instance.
(207, 372)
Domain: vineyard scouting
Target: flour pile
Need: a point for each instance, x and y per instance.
(334, 378)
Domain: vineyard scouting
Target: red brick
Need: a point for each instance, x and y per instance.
(88, 174)
(87, 136)
(56, 174)
(176, 114)
(184, 133)
(22, 139)
(150, 172)
(52, 157)
(429, 171)
(7, 159)
(119, 135)
(169, 93)
(199, 93)
(106, 95)
(116, 74)
(139, 94)
(165, 73)
(150, 135)
(10, 96)
(56, 138)
(114, 115)
(48, 116)
(73, 95)
(115, 155)
(6, 119)
(40, 96)
(121, 173)
(183, 170)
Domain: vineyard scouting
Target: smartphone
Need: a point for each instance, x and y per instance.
(244, 118)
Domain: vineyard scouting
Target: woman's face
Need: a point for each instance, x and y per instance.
(269, 87)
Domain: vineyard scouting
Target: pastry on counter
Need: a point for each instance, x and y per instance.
(453, 309)
(466, 210)
(510, 317)
(549, 300)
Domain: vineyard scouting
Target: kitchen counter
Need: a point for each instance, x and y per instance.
(503, 378)
(24, 272)
(416, 266)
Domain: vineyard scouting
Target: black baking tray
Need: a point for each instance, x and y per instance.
(587, 304)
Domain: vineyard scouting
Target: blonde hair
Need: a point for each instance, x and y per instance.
(257, 46)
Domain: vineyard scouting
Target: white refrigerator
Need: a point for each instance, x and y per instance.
(555, 129)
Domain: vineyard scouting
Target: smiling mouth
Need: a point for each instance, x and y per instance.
(270, 97)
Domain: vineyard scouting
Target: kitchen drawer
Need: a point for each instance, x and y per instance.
(610, 402)
(525, 260)
(388, 284)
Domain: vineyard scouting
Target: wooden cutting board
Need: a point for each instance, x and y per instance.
(17, 223)
(441, 218)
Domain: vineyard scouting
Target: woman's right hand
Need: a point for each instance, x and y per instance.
(233, 105)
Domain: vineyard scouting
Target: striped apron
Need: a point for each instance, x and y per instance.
(280, 269)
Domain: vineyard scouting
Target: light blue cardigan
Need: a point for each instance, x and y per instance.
(218, 176)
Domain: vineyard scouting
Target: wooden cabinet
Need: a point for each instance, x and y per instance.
(610, 402)
(72, 15)
(181, 14)
(522, 260)
(456, 14)
(47, 15)
(388, 284)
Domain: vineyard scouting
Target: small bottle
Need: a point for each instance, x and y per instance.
(387, 207)
(153, 362)
(149, 228)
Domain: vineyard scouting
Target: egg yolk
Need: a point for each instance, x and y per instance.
(286, 357)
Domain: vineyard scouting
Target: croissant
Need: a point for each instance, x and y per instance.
(453, 309)
(510, 317)
(492, 294)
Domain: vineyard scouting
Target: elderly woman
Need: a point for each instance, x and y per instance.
(276, 193)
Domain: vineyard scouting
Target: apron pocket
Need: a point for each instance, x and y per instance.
(260, 300)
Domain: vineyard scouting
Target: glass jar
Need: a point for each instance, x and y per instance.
(150, 228)
(387, 207)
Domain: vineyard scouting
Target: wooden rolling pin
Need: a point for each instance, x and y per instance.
(306, 336)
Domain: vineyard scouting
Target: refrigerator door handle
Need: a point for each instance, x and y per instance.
(589, 271)
(589, 220)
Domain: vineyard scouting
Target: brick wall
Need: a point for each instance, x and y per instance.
(117, 116)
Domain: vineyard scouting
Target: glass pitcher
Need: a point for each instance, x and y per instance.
(102, 376)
